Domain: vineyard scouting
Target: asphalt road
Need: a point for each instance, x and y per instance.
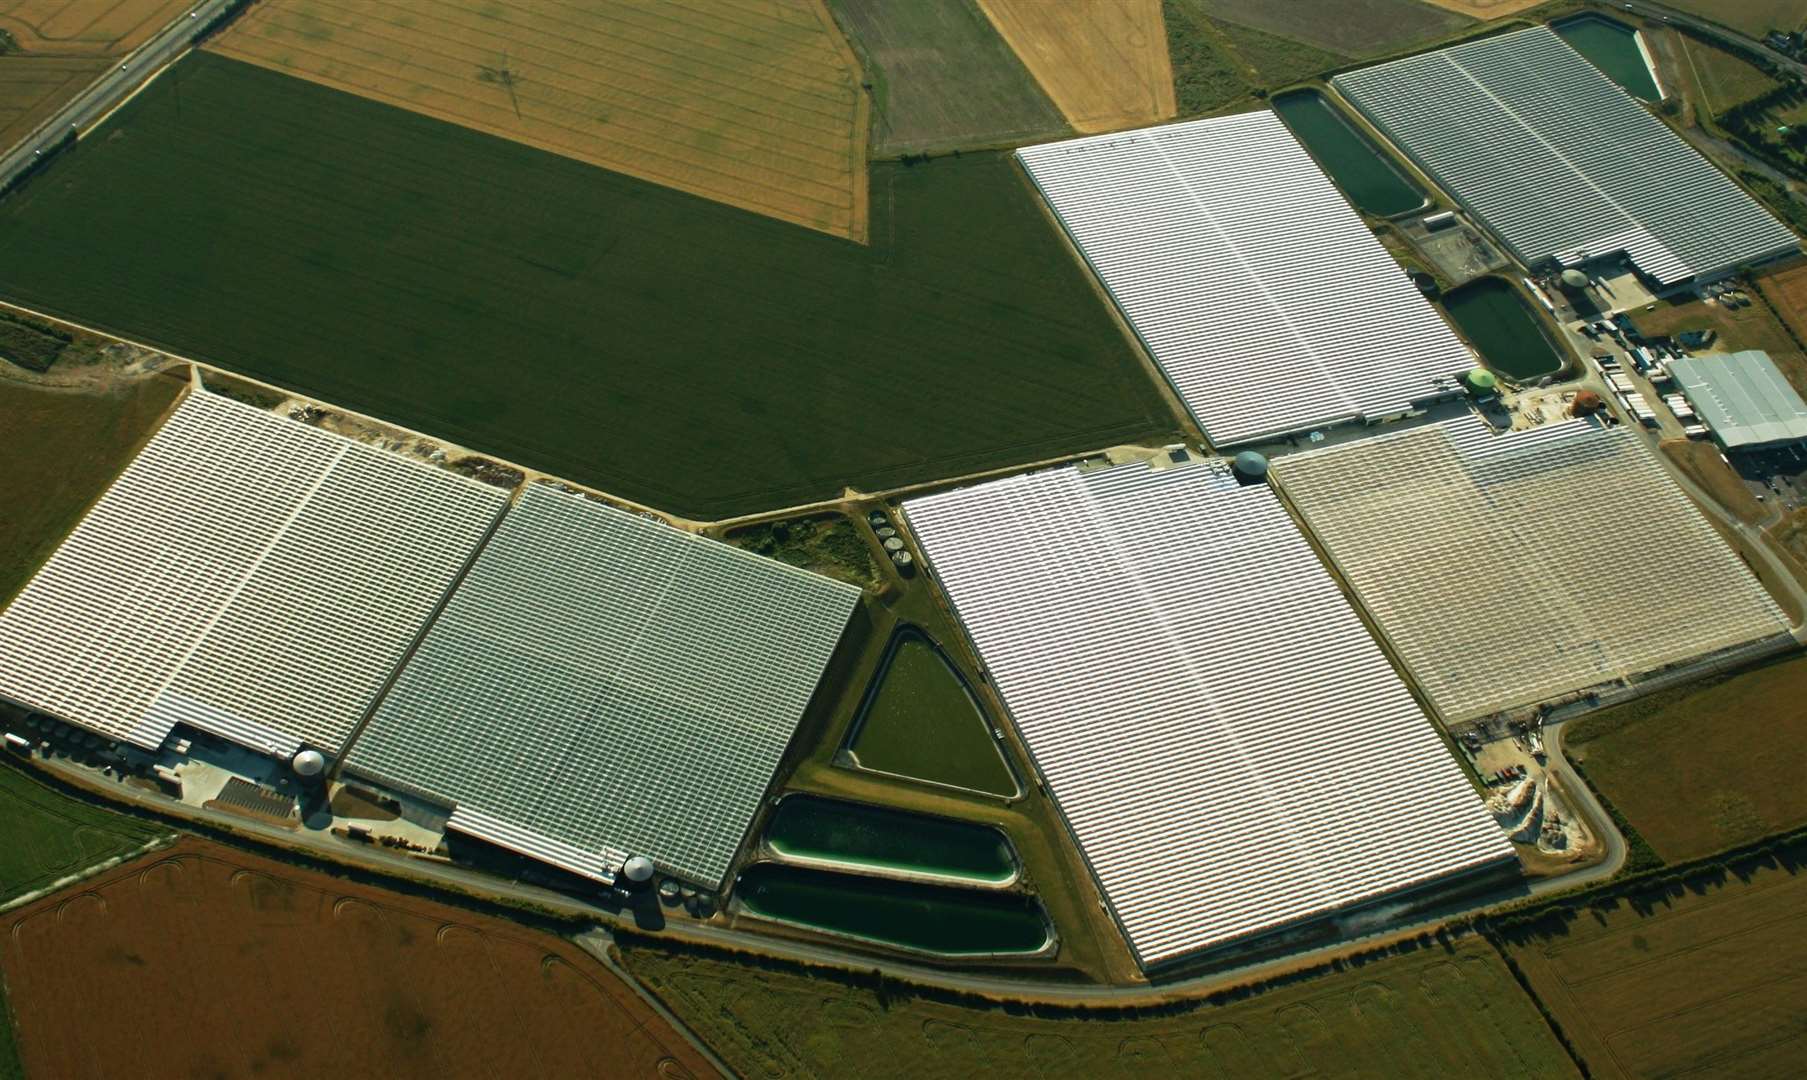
(106, 92)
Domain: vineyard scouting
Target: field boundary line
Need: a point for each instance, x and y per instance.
(597, 941)
(153, 844)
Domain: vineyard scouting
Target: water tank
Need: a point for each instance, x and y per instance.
(1480, 382)
(308, 763)
(1574, 278)
(1250, 467)
(894, 543)
(637, 869)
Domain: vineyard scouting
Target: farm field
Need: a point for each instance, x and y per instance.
(1273, 61)
(98, 28)
(1785, 292)
(1723, 80)
(46, 836)
(1700, 769)
(312, 975)
(942, 77)
(1706, 979)
(754, 103)
(62, 450)
(1485, 9)
(1208, 72)
(529, 306)
(60, 46)
(33, 87)
(1352, 29)
(1753, 17)
(1431, 1013)
(1104, 62)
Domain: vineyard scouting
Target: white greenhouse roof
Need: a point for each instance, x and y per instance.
(603, 686)
(1494, 563)
(1262, 296)
(1560, 162)
(1743, 397)
(246, 574)
(1230, 748)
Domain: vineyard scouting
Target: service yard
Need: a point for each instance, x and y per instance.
(240, 965)
(1706, 978)
(1439, 1011)
(668, 349)
(754, 103)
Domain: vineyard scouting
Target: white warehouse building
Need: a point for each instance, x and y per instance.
(1254, 286)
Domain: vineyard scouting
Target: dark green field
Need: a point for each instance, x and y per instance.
(669, 349)
(45, 836)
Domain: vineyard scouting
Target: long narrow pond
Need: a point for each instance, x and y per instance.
(854, 834)
(930, 918)
(1372, 183)
(1497, 321)
(1613, 48)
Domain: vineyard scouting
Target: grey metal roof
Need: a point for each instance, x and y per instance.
(1480, 558)
(1259, 292)
(1743, 397)
(1558, 161)
(1231, 749)
(247, 575)
(603, 686)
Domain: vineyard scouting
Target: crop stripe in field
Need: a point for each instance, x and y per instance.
(654, 147)
(787, 174)
(405, 52)
(654, 39)
(85, 873)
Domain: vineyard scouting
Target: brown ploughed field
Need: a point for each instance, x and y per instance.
(204, 961)
(1104, 62)
(753, 103)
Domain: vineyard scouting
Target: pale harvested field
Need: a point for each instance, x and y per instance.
(1485, 9)
(33, 87)
(753, 103)
(63, 45)
(1104, 62)
(92, 28)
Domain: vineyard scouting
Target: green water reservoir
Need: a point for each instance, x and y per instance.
(810, 827)
(1372, 183)
(931, 918)
(1613, 48)
(920, 720)
(1497, 321)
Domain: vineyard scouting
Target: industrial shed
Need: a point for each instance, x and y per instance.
(1233, 753)
(603, 686)
(1256, 289)
(1490, 562)
(1744, 399)
(246, 575)
(1559, 162)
